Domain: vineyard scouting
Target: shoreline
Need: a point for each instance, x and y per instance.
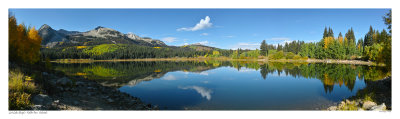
(328, 61)
(380, 100)
(75, 93)
(57, 91)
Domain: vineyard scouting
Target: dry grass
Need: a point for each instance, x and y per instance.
(20, 89)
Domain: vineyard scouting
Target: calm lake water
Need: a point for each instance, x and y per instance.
(221, 85)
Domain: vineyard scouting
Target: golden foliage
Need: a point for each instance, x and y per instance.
(327, 80)
(80, 74)
(328, 41)
(81, 47)
(157, 70)
(340, 39)
(24, 43)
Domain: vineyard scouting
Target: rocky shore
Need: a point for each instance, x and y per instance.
(359, 105)
(375, 97)
(63, 93)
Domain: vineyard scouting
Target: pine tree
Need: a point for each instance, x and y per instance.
(368, 39)
(263, 48)
(340, 38)
(325, 33)
(330, 32)
(388, 21)
(279, 47)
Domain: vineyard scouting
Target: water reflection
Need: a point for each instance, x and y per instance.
(230, 85)
(130, 73)
(169, 77)
(204, 92)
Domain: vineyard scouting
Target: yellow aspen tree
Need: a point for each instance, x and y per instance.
(35, 41)
(346, 41)
(24, 43)
(328, 41)
(340, 39)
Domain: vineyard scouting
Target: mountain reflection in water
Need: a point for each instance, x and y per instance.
(230, 85)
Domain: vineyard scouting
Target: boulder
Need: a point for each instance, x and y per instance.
(45, 73)
(332, 108)
(368, 105)
(63, 81)
(110, 100)
(79, 83)
(348, 101)
(381, 107)
(38, 107)
(42, 99)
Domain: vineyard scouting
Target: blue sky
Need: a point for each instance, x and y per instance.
(222, 28)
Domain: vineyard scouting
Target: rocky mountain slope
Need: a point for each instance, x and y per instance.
(99, 35)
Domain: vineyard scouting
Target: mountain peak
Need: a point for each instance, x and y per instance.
(99, 27)
(45, 26)
(132, 36)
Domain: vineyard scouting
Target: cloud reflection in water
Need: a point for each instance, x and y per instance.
(204, 92)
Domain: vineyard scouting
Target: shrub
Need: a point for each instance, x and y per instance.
(18, 82)
(289, 55)
(297, 57)
(277, 55)
(19, 100)
(20, 89)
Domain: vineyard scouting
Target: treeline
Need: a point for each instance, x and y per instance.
(329, 74)
(331, 47)
(126, 51)
(375, 46)
(124, 72)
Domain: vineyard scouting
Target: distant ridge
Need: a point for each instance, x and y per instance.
(98, 35)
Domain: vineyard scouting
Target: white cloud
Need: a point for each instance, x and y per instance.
(248, 44)
(203, 24)
(229, 36)
(280, 39)
(204, 92)
(204, 34)
(203, 73)
(169, 39)
(251, 46)
(243, 69)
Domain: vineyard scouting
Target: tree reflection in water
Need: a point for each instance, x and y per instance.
(130, 73)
